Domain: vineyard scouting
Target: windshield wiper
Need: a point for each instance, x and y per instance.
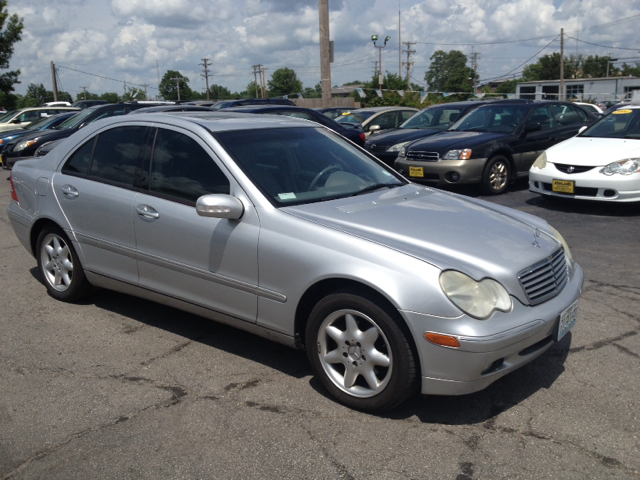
(376, 186)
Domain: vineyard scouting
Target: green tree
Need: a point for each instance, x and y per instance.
(87, 96)
(448, 72)
(548, 68)
(10, 33)
(218, 92)
(169, 86)
(596, 67)
(110, 97)
(508, 86)
(252, 91)
(627, 70)
(36, 95)
(284, 81)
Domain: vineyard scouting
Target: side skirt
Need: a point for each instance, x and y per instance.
(122, 287)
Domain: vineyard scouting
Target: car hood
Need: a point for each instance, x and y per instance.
(452, 139)
(444, 229)
(593, 152)
(399, 135)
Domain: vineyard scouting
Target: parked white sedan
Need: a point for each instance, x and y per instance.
(600, 163)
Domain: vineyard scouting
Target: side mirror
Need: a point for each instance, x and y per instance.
(374, 128)
(582, 129)
(219, 206)
(15, 120)
(532, 127)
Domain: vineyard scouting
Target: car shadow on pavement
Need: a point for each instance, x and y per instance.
(586, 207)
(474, 408)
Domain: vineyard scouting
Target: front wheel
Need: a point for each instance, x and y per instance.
(496, 175)
(359, 353)
(59, 266)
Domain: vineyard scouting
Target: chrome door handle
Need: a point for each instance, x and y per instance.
(147, 212)
(70, 191)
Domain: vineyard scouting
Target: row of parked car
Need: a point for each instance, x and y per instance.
(491, 143)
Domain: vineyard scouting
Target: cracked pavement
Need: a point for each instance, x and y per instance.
(119, 387)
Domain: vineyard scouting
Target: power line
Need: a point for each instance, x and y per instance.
(486, 43)
(102, 76)
(604, 46)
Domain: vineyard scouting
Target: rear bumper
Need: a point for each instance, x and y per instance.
(9, 162)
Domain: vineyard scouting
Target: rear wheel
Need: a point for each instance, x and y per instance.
(496, 175)
(359, 353)
(59, 266)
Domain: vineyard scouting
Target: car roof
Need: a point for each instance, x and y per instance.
(218, 121)
(241, 108)
(381, 109)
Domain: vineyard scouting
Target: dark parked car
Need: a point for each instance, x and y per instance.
(493, 145)
(425, 123)
(251, 101)
(24, 148)
(173, 108)
(82, 104)
(352, 132)
(45, 123)
(334, 112)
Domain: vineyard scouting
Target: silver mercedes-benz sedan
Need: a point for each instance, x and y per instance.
(283, 228)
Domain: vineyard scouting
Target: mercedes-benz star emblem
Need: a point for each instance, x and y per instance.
(536, 236)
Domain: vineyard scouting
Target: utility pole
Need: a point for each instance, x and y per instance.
(400, 45)
(85, 92)
(474, 65)
(408, 51)
(562, 64)
(374, 39)
(145, 91)
(263, 75)
(375, 68)
(206, 63)
(177, 79)
(325, 54)
(257, 69)
(55, 82)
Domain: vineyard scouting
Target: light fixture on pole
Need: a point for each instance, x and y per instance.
(374, 38)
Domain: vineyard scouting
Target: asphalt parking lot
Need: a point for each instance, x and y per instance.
(118, 387)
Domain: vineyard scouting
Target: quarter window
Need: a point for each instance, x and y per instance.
(180, 167)
(568, 115)
(542, 116)
(80, 160)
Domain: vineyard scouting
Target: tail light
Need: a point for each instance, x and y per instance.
(14, 196)
(363, 136)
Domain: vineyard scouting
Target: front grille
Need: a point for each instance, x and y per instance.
(423, 156)
(376, 148)
(570, 169)
(545, 279)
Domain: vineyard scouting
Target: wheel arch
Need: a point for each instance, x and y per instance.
(325, 287)
(506, 153)
(37, 227)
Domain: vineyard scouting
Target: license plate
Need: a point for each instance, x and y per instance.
(416, 172)
(567, 321)
(563, 186)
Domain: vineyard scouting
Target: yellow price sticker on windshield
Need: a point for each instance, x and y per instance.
(621, 112)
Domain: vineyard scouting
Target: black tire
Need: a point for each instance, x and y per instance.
(351, 359)
(497, 174)
(60, 267)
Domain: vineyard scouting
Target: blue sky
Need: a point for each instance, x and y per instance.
(130, 40)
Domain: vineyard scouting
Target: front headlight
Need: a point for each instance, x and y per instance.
(461, 154)
(476, 299)
(397, 147)
(541, 161)
(567, 252)
(622, 167)
(25, 144)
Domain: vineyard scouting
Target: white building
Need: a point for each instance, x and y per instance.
(610, 89)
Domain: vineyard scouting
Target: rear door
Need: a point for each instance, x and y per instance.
(528, 147)
(569, 119)
(96, 192)
(209, 262)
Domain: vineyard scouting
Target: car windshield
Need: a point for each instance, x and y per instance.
(494, 118)
(220, 105)
(76, 120)
(353, 117)
(293, 166)
(40, 123)
(434, 118)
(622, 123)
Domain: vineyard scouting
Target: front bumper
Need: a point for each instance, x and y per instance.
(441, 172)
(9, 162)
(486, 354)
(590, 185)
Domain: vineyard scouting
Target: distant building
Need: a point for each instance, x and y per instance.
(609, 89)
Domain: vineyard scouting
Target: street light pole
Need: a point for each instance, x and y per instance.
(375, 39)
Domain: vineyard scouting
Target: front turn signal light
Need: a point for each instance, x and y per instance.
(444, 340)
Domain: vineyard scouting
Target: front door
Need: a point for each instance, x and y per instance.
(210, 262)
